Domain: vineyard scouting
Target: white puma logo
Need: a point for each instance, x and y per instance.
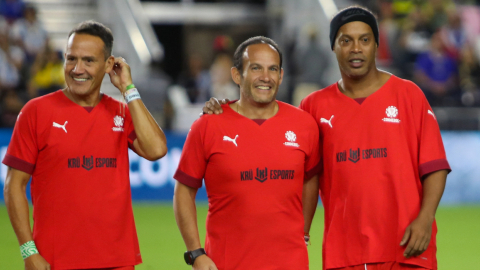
(430, 112)
(61, 126)
(329, 122)
(226, 138)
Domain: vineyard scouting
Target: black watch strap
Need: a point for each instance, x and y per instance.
(190, 256)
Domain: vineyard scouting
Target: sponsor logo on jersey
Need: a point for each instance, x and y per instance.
(431, 113)
(392, 113)
(291, 138)
(325, 121)
(263, 174)
(228, 139)
(355, 155)
(89, 162)
(61, 126)
(118, 121)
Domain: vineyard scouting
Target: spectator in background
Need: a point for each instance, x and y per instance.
(435, 12)
(11, 9)
(29, 34)
(470, 77)
(414, 40)
(47, 73)
(453, 35)
(11, 60)
(196, 80)
(310, 66)
(436, 74)
(222, 84)
(388, 37)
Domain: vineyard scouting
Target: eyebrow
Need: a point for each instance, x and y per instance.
(83, 58)
(257, 64)
(362, 35)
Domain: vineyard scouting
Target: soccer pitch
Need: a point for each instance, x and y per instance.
(162, 247)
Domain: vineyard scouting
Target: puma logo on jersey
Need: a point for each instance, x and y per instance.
(61, 126)
(431, 113)
(234, 141)
(329, 122)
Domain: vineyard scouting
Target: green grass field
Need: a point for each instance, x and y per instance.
(162, 246)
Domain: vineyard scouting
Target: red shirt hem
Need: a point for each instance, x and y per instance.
(18, 164)
(433, 166)
(315, 170)
(188, 180)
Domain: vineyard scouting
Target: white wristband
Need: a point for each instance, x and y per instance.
(131, 95)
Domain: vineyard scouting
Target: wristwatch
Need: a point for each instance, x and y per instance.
(190, 256)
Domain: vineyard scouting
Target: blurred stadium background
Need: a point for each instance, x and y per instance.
(181, 52)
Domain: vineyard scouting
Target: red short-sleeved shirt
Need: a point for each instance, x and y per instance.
(375, 154)
(254, 177)
(80, 186)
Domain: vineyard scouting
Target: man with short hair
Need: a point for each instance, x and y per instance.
(259, 161)
(384, 162)
(74, 144)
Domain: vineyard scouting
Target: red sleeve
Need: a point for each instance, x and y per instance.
(193, 161)
(313, 162)
(432, 155)
(22, 151)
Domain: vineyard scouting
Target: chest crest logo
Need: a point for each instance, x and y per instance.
(118, 121)
(291, 138)
(392, 113)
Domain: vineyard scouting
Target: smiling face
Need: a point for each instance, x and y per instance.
(85, 64)
(261, 75)
(355, 48)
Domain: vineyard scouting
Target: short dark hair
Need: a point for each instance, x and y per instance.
(96, 29)
(238, 55)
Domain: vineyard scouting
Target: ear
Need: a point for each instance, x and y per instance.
(109, 64)
(281, 77)
(236, 76)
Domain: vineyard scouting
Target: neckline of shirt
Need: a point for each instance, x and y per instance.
(360, 101)
(257, 121)
(89, 109)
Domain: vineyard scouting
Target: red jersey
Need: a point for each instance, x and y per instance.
(80, 185)
(254, 175)
(375, 154)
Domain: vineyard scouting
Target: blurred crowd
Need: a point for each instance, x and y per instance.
(202, 81)
(435, 43)
(29, 67)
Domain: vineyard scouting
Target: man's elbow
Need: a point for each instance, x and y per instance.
(156, 153)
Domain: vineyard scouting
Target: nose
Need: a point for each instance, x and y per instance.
(79, 68)
(356, 48)
(265, 77)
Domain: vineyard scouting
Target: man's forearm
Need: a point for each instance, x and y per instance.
(309, 200)
(433, 187)
(150, 137)
(17, 207)
(186, 215)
